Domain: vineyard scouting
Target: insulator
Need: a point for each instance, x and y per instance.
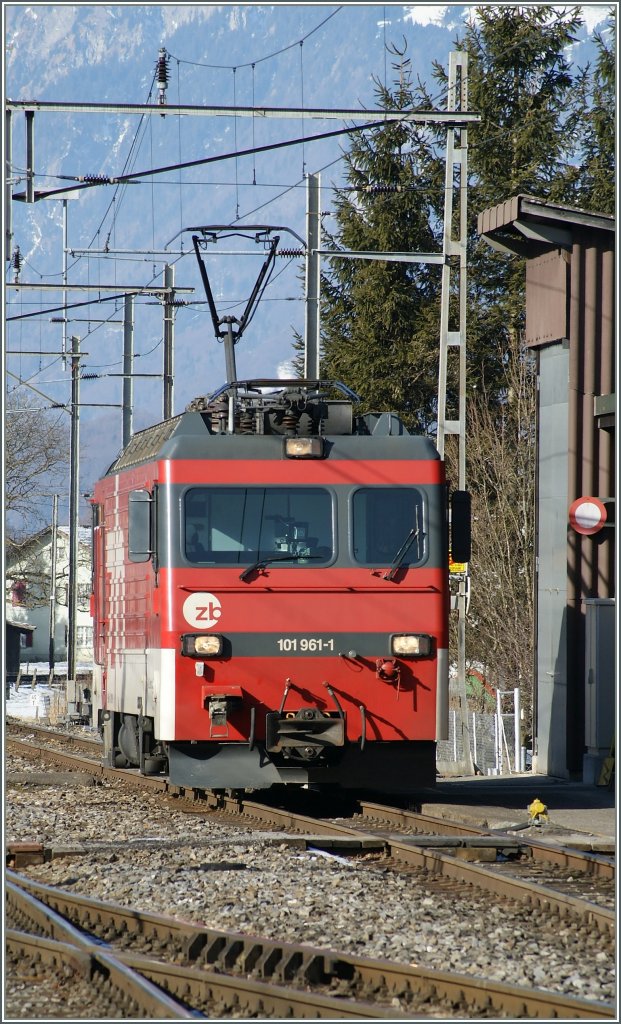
(162, 69)
(290, 421)
(305, 425)
(246, 422)
(291, 252)
(162, 76)
(377, 190)
(16, 263)
(198, 404)
(219, 415)
(95, 179)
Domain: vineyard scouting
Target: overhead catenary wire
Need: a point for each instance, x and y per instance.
(125, 178)
(70, 305)
(299, 43)
(133, 153)
(254, 149)
(260, 60)
(116, 202)
(202, 161)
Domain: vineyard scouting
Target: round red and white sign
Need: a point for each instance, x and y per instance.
(202, 610)
(587, 515)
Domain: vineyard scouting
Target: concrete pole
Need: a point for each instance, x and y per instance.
(517, 732)
(74, 470)
(169, 282)
(8, 197)
(128, 369)
(30, 156)
(313, 277)
(53, 585)
(65, 268)
(498, 731)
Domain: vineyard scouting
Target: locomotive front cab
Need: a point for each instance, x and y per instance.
(259, 529)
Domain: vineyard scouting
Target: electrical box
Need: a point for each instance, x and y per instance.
(599, 712)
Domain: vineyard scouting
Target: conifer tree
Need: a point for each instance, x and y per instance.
(379, 317)
(541, 134)
(596, 177)
(520, 82)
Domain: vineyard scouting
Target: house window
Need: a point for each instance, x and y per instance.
(18, 592)
(25, 640)
(84, 636)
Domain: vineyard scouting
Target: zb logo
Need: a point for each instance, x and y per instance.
(202, 610)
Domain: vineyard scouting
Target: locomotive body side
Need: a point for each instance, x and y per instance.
(261, 618)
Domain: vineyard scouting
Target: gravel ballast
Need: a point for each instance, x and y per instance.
(140, 852)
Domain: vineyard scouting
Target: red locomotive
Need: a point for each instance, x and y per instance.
(271, 594)
(271, 588)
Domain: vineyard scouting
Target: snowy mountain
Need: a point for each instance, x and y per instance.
(243, 55)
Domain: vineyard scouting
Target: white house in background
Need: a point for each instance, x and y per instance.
(29, 590)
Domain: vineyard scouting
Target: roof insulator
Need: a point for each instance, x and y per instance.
(381, 189)
(162, 74)
(95, 179)
(16, 262)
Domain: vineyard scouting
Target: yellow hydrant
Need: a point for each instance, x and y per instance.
(538, 812)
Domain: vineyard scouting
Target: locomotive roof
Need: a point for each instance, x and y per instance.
(189, 436)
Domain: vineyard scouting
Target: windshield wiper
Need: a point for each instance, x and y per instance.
(262, 562)
(401, 553)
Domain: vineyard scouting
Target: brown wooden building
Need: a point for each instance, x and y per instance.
(570, 323)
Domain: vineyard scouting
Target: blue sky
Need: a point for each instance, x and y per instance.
(281, 55)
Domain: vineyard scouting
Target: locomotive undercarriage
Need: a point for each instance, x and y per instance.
(129, 742)
(299, 749)
(382, 767)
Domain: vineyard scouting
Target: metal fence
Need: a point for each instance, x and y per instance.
(493, 738)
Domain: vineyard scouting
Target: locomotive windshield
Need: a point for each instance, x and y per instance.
(240, 525)
(388, 524)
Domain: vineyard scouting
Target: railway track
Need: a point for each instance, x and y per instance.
(422, 854)
(145, 986)
(596, 865)
(228, 970)
(375, 835)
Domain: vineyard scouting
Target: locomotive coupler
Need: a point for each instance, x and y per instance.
(218, 713)
(303, 730)
(220, 703)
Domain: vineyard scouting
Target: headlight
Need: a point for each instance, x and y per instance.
(411, 645)
(199, 645)
(304, 447)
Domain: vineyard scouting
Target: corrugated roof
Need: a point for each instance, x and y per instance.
(529, 227)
